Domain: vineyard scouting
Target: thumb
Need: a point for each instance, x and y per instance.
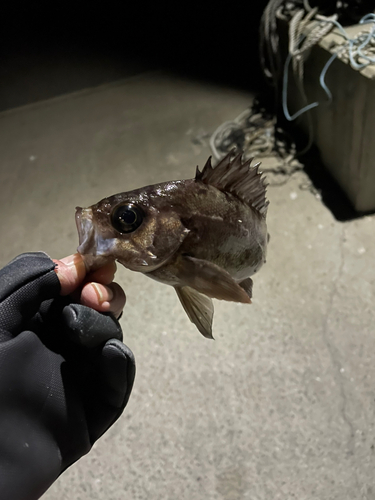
(71, 271)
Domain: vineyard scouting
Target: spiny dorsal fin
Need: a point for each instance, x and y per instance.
(234, 176)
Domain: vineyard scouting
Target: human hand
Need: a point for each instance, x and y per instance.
(95, 290)
(65, 375)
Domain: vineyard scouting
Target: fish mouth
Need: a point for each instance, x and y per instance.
(95, 248)
(86, 231)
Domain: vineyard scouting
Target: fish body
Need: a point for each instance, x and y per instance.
(204, 236)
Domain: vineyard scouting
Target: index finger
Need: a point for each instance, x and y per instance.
(71, 271)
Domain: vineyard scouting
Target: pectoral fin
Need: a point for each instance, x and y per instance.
(210, 279)
(199, 309)
(247, 285)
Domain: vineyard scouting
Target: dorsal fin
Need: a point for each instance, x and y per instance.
(232, 175)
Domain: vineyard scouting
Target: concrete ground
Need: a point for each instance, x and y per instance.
(281, 405)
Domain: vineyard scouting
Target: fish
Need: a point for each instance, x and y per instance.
(205, 236)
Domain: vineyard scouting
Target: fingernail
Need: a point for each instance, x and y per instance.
(99, 293)
(72, 260)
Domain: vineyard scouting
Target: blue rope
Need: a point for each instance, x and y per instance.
(353, 51)
(285, 94)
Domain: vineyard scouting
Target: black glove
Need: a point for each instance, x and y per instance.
(65, 377)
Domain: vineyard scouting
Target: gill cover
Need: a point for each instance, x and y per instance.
(153, 243)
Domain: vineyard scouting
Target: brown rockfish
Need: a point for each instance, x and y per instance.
(204, 236)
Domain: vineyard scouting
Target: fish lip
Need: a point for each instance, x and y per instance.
(86, 232)
(94, 248)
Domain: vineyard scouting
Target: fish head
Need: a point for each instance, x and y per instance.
(138, 229)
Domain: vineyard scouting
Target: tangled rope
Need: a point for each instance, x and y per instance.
(353, 50)
(256, 130)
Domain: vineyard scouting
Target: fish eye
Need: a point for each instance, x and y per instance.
(126, 218)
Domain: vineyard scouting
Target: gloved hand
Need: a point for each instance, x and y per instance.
(65, 377)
